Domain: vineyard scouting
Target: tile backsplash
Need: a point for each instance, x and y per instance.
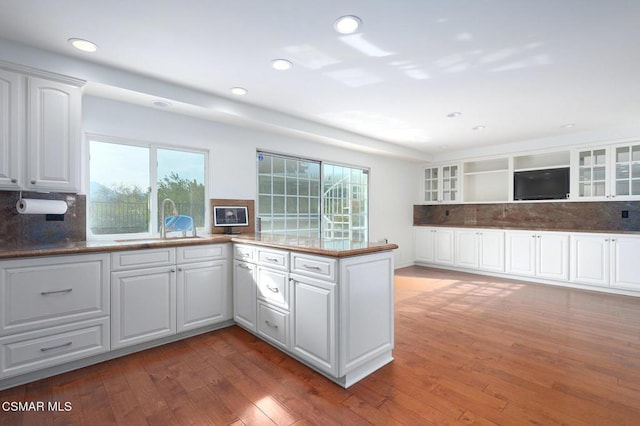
(578, 216)
(25, 229)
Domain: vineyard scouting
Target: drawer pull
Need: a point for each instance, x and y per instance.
(315, 268)
(64, 345)
(270, 325)
(245, 255)
(244, 267)
(272, 259)
(273, 289)
(47, 293)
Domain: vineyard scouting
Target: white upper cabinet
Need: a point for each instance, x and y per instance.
(10, 130)
(441, 184)
(626, 171)
(40, 122)
(607, 173)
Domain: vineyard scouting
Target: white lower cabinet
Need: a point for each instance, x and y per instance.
(149, 303)
(537, 254)
(335, 315)
(143, 305)
(53, 310)
(244, 294)
(479, 249)
(435, 245)
(606, 260)
(314, 322)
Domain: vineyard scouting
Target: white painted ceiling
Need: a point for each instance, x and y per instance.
(522, 68)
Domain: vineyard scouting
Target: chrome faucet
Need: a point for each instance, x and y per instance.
(163, 228)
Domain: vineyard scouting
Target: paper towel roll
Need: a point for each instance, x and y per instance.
(33, 206)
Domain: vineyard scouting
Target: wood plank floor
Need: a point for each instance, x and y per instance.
(469, 349)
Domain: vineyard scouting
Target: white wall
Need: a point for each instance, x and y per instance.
(232, 167)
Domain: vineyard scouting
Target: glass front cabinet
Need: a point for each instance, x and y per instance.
(442, 184)
(608, 172)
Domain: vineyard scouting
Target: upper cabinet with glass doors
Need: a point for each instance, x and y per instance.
(442, 184)
(608, 172)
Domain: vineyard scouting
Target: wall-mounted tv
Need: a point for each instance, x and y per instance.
(230, 216)
(547, 184)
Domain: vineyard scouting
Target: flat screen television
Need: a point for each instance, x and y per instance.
(547, 184)
(230, 216)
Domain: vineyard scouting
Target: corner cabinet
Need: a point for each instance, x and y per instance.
(41, 144)
(333, 314)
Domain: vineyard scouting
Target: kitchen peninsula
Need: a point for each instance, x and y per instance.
(327, 303)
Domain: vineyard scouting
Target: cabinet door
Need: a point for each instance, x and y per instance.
(53, 137)
(11, 125)
(143, 305)
(244, 294)
(552, 256)
(314, 323)
(430, 184)
(467, 248)
(590, 259)
(444, 247)
(624, 262)
(626, 171)
(202, 290)
(591, 173)
(520, 253)
(424, 244)
(491, 251)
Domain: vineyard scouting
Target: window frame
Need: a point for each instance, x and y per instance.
(321, 204)
(153, 184)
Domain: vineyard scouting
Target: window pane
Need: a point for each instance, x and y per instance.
(118, 189)
(345, 202)
(181, 179)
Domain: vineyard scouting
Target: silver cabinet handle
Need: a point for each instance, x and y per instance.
(47, 293)
(270, 325)
(64, 345)
(14, 180)
(173, 270)
(33, 182)
(273, 289)
(613, 239)
(315, 268)
(271, 259)
(243, 266)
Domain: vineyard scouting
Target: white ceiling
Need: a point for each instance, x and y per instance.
(522, 68)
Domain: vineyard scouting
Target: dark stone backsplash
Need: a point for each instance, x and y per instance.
(25, 229)
(578, 216)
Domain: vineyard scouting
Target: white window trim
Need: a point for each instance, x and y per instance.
(153, 147)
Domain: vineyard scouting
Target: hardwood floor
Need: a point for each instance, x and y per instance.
(469, 349)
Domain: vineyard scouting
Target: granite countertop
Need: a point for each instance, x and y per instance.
(513, 228)
(324, 247)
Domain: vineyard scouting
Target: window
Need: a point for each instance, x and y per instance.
(128, 182)
(311, 198)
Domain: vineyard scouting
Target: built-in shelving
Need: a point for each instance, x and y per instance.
(486, 180)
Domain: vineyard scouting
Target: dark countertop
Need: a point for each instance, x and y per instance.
(323, 247)
(513, 228)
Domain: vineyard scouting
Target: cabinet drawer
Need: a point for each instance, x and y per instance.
(21, 353)
(277, 259)
(314, 266)
(201, 253)
(273, 325)
(246, 253)
(143, 258)
(273, 286)
(39, 293)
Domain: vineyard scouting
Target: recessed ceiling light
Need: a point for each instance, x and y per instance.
(348, 24)
(84, 45)
(480, 127)
(568, 125)
(240, 91)
(160, 103)
(454, 114)
(281, 64)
